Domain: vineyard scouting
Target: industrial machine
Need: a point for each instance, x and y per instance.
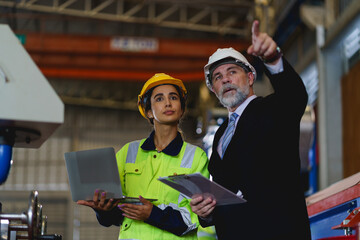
(334, 212)
(28, 225)
(30, 111)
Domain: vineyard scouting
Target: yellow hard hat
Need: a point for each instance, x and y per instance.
(156, 80)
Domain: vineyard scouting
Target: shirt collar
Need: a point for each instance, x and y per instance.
(242, 106)
(172, 149)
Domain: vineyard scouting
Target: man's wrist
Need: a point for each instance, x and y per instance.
(276, 68)
(273, 57)
(206, 219)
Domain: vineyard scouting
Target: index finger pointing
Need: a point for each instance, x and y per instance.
(255, 29)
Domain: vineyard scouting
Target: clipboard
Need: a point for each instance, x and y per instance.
(194, 184)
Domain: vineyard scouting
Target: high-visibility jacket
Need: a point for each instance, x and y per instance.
(139, 170)
(206, 233)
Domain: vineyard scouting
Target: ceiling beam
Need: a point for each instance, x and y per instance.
(312, 16)
(94, 57)
(129, 11)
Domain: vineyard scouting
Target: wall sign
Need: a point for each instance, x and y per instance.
(134, 44)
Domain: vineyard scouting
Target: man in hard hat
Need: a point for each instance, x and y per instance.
(256, 150)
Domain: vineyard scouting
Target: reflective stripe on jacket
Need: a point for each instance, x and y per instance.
(139, 170)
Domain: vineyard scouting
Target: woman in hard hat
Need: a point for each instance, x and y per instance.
(141, 163)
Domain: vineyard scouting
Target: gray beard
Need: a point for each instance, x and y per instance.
(235, 99)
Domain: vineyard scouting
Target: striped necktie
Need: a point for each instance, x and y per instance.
(229, 132)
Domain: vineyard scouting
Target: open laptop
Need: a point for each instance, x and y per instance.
(94, 169)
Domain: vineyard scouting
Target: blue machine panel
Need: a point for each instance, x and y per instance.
(322, 222)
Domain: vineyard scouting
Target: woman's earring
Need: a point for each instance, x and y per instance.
(149, 115)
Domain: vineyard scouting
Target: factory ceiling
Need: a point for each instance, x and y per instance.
(99, 52)
(222, 17)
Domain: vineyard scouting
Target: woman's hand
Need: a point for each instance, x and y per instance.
(99, 204)
(137, 212)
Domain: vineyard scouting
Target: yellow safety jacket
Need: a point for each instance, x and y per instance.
(139, 170)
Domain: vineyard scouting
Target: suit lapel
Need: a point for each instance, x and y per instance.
(237, 132)
(243, 117)
(239, 127)
(218, 135)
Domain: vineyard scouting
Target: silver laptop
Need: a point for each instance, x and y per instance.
(94, 169)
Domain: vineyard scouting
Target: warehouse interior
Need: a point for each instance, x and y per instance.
(97, 54)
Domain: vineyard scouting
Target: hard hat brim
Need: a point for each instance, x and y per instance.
(223, 53)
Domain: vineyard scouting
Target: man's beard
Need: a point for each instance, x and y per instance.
(233, 100)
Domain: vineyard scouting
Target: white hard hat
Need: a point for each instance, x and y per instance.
(234, 56)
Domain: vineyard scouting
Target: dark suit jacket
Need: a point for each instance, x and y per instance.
(262, 160)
